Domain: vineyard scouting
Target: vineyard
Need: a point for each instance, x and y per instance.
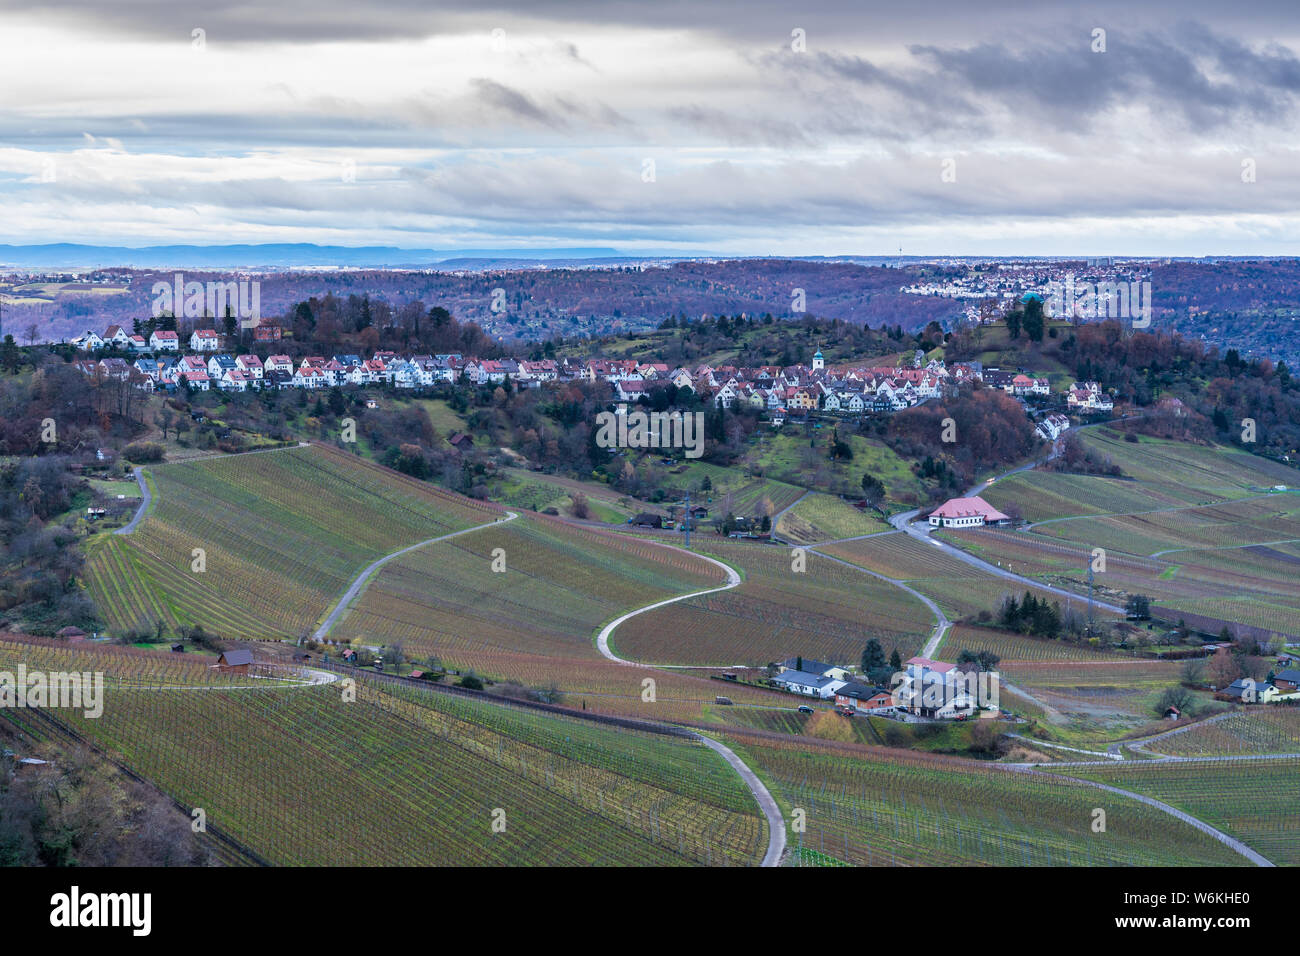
(827, 611)
(961, 589)
(1254, 801)
(1156, 474)
(1261, 520)
(1259, 730)
(1010, 646)
(874, 808)
(282, 533)
(557, 585)
(1044, 495)
(1223, 584)
(406, 776)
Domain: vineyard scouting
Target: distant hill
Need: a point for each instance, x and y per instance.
(65, 255)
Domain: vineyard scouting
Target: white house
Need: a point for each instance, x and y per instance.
(163, 341)
(204, 340)
(811, 685)
(88, 340)
(972, 512)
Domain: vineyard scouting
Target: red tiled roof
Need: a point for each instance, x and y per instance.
(967, 507)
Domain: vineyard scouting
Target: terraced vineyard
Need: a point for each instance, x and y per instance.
(1254, 801)
(1257, 730)
(886, 808)
(558, 586)
(282, 534)
(1044, 495)
(418, 778)
(826, 612)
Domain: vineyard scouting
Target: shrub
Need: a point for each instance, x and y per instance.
(143, 451)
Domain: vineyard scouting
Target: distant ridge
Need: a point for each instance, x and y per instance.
(271, 255)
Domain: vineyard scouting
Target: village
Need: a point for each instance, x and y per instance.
(782, 393)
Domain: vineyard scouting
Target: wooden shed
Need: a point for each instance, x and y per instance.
(237, 661)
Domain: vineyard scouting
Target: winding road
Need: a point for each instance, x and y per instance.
(145, 498)
(359, 582)
(766, 802)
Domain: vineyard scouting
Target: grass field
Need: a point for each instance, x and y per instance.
(1102, 699)
(885, 808)
(1254, 801)
(820, 517)
(827, 612)
(282, 533)
(793, 457)
(534, 491)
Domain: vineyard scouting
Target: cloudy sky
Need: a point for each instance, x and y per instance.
(743, 128)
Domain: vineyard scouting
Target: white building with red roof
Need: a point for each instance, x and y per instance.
(972, 512)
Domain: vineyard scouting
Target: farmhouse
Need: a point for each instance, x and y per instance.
(1244, 690)
(923, 687)
(809, 666)
(811, 685)
(1288, 681)
(863, 699)
(972, 512)
(647, 520)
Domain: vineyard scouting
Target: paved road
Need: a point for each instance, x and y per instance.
(775, 822)
(359, 582)
(145, 498)
(602, 639)
(776, 518)
(941, 624)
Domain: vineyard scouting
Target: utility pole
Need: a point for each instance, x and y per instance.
(1090, 595)
(687, 524)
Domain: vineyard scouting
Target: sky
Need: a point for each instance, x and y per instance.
(756, 128)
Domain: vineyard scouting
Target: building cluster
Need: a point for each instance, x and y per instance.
(780, 391)
(925, 688)
(1088, 398)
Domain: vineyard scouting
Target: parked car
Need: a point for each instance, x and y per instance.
(722, 700)
(805, 709)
